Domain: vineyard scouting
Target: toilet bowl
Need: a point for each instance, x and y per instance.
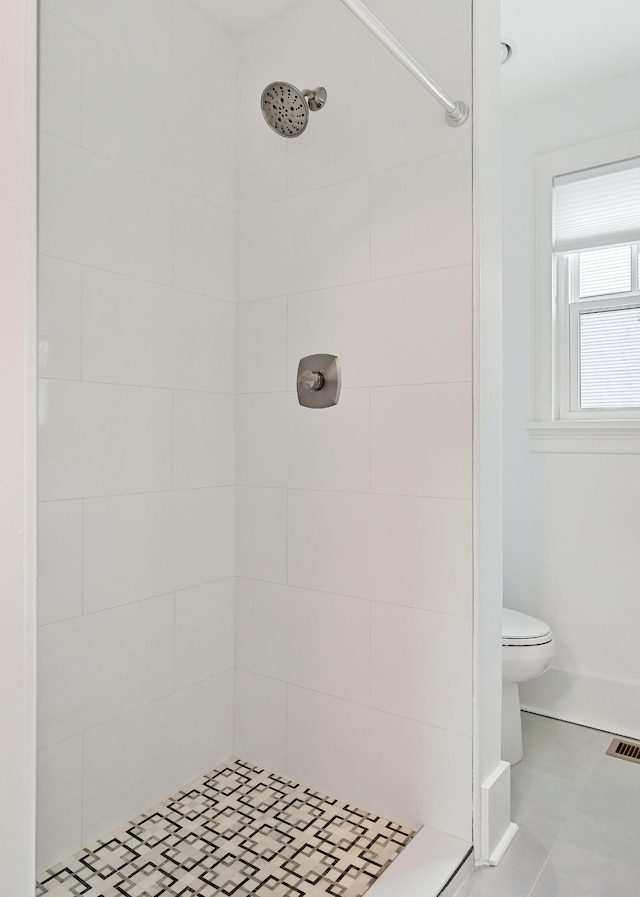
(527, 651)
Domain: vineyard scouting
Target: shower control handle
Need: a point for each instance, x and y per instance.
(318, 381)
(311, 380)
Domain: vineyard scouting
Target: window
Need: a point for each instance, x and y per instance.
(596, 233)
(586, 304)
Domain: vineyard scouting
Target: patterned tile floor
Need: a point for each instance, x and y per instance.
(237, 831)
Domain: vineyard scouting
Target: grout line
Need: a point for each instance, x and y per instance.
(206, 392)
(138, 708)
(426, 610)
(135, 602)
(326, 694)
(154, 283)
(168, 185)
(82, 784)
(116, 495)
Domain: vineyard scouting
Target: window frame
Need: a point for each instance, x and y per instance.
(567, 349)
(554, 425)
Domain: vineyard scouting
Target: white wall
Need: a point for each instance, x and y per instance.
(354, 604)
(570, 519)
(18, 39)
(136, 452)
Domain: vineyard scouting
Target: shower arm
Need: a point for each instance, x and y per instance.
(457, 112)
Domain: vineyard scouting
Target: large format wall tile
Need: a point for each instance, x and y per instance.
(99, 213)
(204, 632)
(141, 333)
(98, 439)
(261, 533)
(204, 247)
(403, 237)
(134, 117)
(203, 440)
(132, 762)
(138, 29)
(316, 240)
(399, 550)
(261, 361)
(400, 330)
(59, 319)
(413, 652)
(404, 770)
(282, 444)
(59, 796)
(421, 440)
(314, 640)
(60, 78)
(261, 720)
(59, 560)
(96, 667)
(158, 543)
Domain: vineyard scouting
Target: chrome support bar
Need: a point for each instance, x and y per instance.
(457, 112)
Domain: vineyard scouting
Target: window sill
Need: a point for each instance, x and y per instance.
(598, 437)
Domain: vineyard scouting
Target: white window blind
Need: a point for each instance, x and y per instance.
(598, 207)
(605, 271)
(610, 358)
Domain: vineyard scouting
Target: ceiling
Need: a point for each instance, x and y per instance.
(561, 45)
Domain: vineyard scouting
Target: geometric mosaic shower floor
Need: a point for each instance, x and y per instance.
(238, 831)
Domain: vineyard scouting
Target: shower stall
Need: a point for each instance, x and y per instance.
(231, 584)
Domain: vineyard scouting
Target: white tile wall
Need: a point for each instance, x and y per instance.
(410, 651)
(203, 439)
(308, 638)
(204, 247)
(114, 218)
(96, 667)
(282, 444)
(395, 549)
(138, 29)
(132, 762)
(59, 319)
(399, 330)
(403, 237)
(143, 334)
(136, 444)
(364, 225)
(421, 440)
(59, 561)
(60, 78)
(316, 240)
(59, 797)
(261, 535)
(261, 358)
(404, 770)
(204, 632)
(158, 543)
(261, 720)
(98, 439)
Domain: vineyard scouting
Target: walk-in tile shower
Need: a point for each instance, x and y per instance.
(224, 573)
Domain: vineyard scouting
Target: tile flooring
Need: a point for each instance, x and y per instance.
(234, 832)
(579, 817)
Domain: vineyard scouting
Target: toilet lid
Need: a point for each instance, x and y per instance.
(521, 629)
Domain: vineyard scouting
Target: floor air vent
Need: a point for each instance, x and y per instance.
(625, 750)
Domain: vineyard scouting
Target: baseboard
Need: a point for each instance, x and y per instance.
(495, 815)
(587, 700)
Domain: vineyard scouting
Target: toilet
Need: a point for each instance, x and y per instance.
(527, 651)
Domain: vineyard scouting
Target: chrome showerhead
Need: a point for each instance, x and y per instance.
(286, 109)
